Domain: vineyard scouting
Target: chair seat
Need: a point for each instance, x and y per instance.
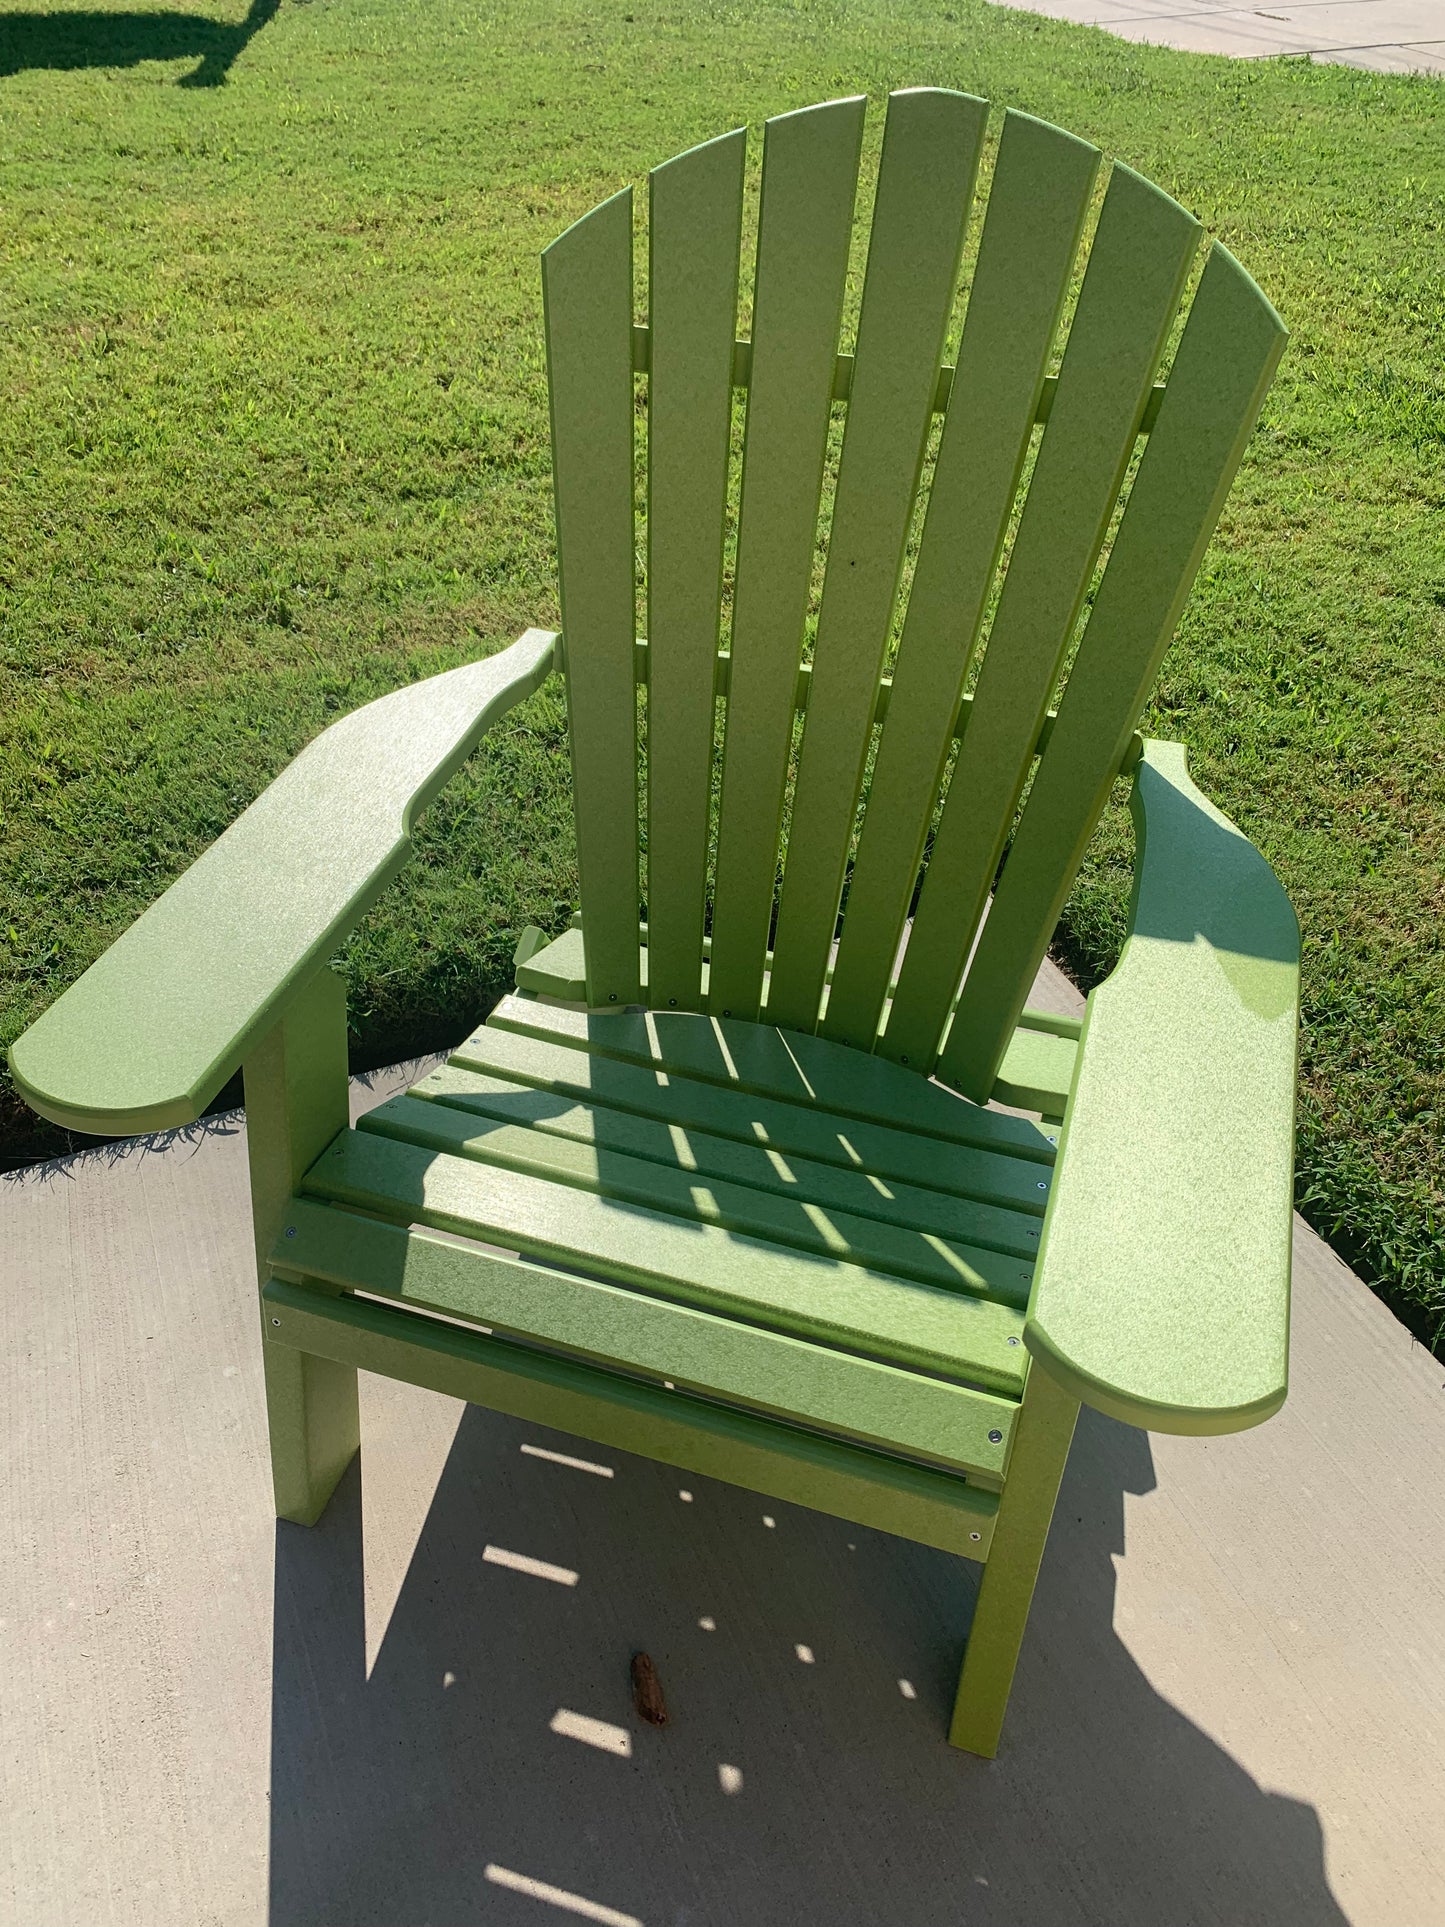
(784, 1211)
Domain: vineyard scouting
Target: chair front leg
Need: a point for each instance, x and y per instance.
(1031, 1487)
(296, 1102)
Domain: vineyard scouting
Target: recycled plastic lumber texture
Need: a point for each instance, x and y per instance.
(1220, 374)
(829, 1300)
(993, 1175)
(768, 1062)
(950, 1263)
(1036, 206)
(694, 238)
(1037, 1067)
(925, 185)
(297, 1100)
(1162, 1292)
(642, 660)
(158, 1023)
(843, 364)
(1000, 1614)
(1130, 295)
(810, 173)
(823, 1187)
(587, 299)
(1037, 1072)
(934, 1508)
(610, 1325)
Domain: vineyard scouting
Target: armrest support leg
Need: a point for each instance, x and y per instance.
(1031, 1487)
(296, 1102)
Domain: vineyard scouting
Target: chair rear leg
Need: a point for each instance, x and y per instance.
(1031, 1486)
(296, 1102)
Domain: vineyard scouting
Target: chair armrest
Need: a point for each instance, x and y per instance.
(155, 1027)
(1161, 1294)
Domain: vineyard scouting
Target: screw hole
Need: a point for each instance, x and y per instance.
(275, 1321)
(995, 1438)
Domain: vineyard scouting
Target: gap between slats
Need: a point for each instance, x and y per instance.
(843, 378)
(1009, 1223)
(806, 1077)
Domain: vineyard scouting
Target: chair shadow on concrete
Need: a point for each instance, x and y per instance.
(64, 42)
(396, 1797)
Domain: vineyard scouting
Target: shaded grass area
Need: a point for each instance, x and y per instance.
(274, 440)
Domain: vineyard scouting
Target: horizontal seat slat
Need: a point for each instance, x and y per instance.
(1035, 1074)
(806, 1076)
(934, 1507)
(610, 1325)
(1037, 1070)
(835, 1187)
(611, 1172)
(790, 1129)
(825, 1299)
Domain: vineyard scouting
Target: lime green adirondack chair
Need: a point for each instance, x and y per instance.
(768, 1228)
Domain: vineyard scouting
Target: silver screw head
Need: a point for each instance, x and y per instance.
(995, 1438)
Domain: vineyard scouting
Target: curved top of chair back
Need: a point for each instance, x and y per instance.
(797, 797)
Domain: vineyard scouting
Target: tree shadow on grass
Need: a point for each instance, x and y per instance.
(803, 1777)
(64, 42)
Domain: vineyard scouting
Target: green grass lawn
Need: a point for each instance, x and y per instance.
(274, 440)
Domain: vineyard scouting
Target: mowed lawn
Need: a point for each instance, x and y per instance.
(273, 440)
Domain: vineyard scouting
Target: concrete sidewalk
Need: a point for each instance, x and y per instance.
(1388, 36)
(1230, 1710)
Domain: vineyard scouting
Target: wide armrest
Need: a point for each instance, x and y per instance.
(154, 1028)
(1161, 1294)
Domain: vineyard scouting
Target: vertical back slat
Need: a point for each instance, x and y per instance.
(1225, 362)
(810, 172)
(1036, 207)
(925, 182)
(1137, 267)
(587, 297)
(694, 234)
